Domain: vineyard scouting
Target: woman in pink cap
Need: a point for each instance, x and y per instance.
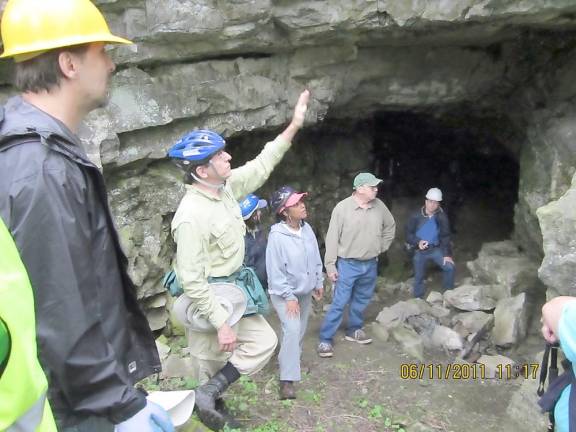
(294, 269)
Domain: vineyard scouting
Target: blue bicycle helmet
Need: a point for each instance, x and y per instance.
(197, 147)
(250, 204)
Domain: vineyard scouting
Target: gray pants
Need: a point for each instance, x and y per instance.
(293, 330)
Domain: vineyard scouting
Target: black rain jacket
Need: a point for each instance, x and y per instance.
(93, 338)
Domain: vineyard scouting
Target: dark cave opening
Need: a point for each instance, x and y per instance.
(415, 152)
(477, 174)
(411, 152)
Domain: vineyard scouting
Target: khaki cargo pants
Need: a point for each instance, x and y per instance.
(256, 342)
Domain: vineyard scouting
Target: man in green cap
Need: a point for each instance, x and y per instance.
(361, 228)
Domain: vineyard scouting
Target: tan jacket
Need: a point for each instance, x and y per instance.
(358, 233)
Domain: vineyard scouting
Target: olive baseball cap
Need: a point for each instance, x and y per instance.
(366, 179)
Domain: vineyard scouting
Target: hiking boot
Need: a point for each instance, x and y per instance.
(287, 390)
(325, 349)
(205, 405)
(359, 336)
(229, 419)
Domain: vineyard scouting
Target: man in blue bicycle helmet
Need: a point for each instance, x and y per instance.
(255, 239)
(209, 230)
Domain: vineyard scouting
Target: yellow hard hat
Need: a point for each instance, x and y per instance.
(30, 27)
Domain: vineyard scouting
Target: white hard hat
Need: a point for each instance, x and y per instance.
(434, 194)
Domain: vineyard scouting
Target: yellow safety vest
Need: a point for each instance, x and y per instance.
(23, 385)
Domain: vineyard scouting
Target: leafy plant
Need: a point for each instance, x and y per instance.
(311, 396)
(376, 412)
(248, 385)
(190, 383)
(272, 426)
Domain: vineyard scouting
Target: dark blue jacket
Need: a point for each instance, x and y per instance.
(255, 254)
(419, 218)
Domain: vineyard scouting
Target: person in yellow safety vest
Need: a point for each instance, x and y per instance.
(23, 404)
(94, 342)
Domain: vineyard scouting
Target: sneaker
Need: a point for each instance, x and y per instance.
(325, 349)
(359, 336)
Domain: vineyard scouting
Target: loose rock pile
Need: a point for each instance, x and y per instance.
(484, 313)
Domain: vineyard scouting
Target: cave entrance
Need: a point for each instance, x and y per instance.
(411, 152)
(477, 174)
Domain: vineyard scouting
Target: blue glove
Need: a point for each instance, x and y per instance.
(151, 418)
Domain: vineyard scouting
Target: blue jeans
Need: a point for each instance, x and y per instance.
(355, 285)
(421, 257)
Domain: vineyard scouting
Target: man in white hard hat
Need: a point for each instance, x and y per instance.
(428, 234)
(94, 340)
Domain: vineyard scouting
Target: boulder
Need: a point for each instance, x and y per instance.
(398, 313)
(163, 349)
(424, 324)
(175, 366)
(379, 331)
(410, 341)
(510, 321)
(558, 222)
(446, 339)
(471, 321)
(157, 318)
(435, 298)
(502, 263)
(439, 311)
(471, 297)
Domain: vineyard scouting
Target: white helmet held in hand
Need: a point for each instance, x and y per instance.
(434, 194)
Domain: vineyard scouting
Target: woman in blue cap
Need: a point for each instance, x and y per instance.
(255, 239)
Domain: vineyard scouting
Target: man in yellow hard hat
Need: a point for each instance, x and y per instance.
(94, 341)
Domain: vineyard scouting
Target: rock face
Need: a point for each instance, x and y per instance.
(501, 263)
(504, 68)
(510, 320)
(558, 221)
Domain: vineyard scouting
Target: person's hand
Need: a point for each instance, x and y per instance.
(300, 109)
(292, 308)
(448, 260)
(333, 276)
(226, 338)
(318, 293)
(151, 418)
(422, 244)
